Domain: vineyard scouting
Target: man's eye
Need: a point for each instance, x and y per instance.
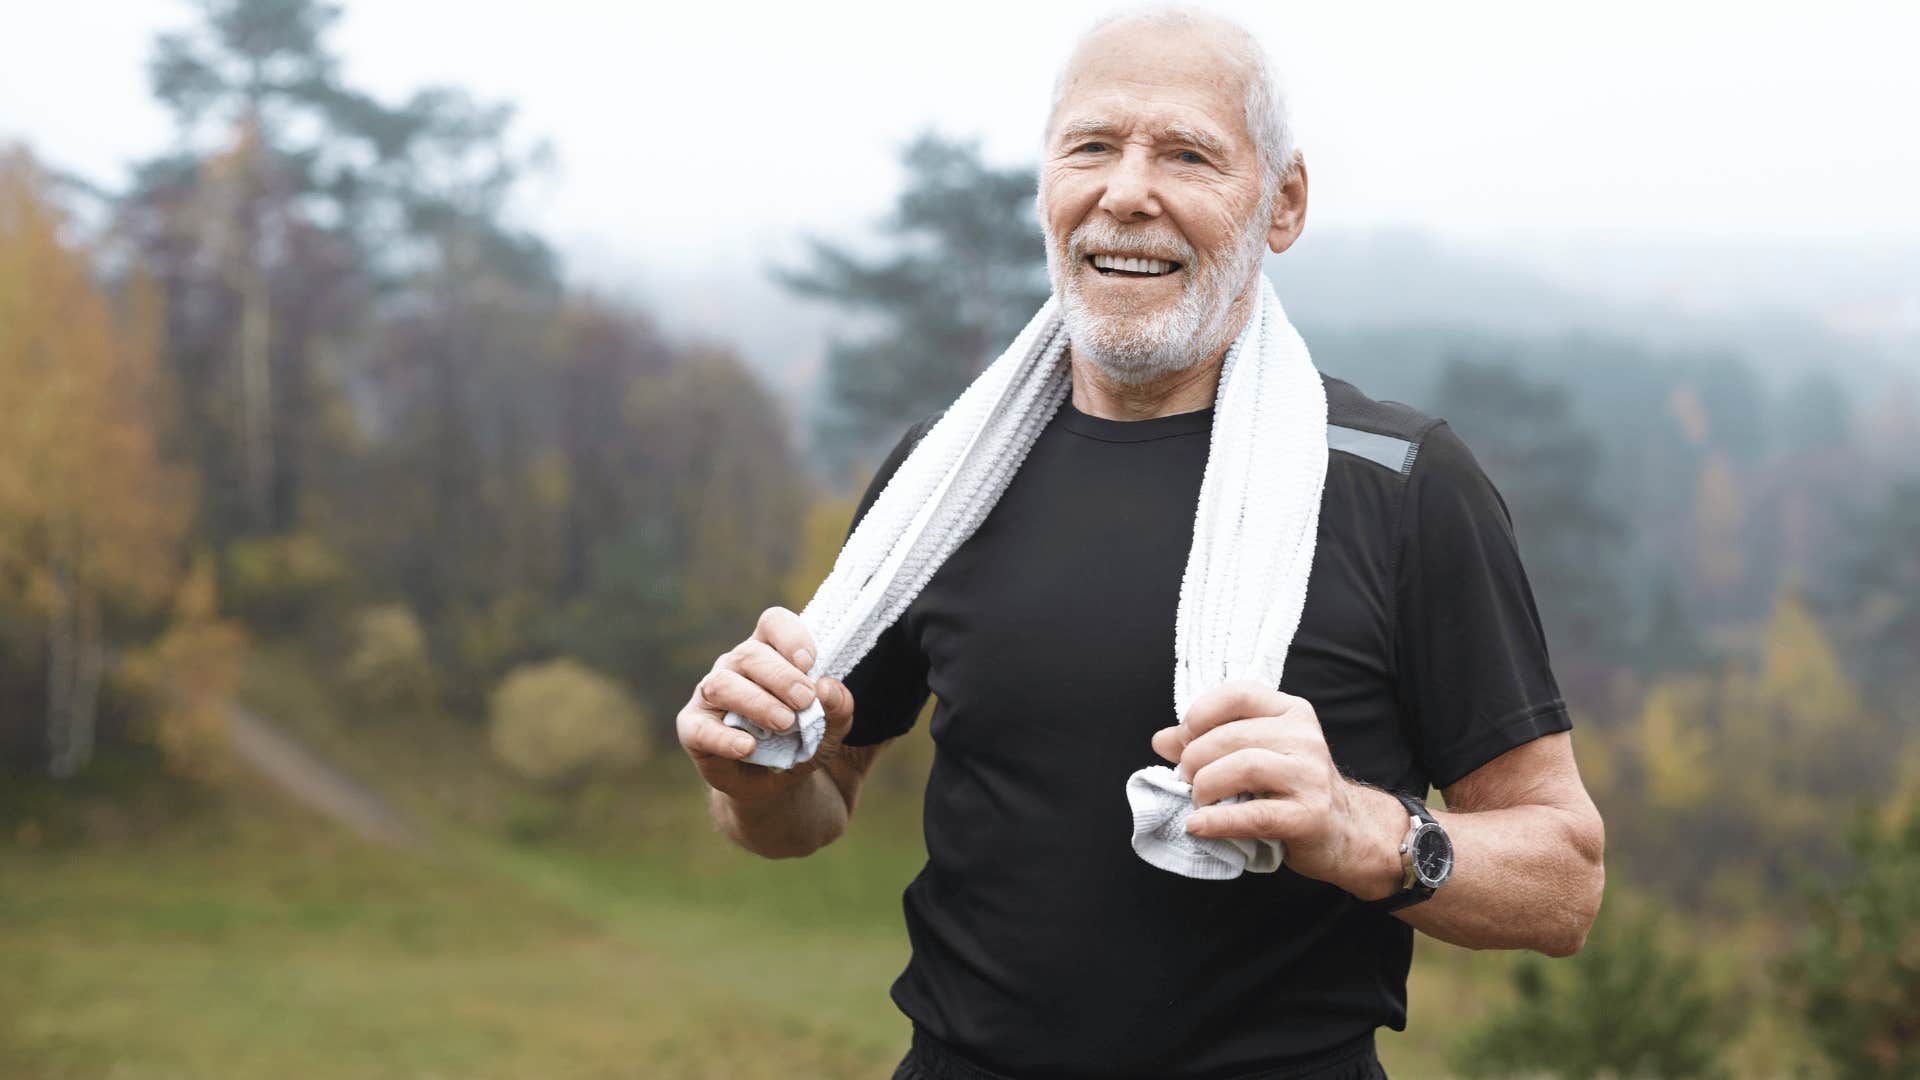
(1094, 146)
(1192, 158)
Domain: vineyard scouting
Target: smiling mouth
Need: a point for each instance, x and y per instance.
(1131, 266)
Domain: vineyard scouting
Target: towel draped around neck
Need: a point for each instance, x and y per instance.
(1246, 575)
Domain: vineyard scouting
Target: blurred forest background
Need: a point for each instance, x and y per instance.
(353, 564)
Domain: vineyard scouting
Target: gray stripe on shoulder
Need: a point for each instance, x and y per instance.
(1384, 450)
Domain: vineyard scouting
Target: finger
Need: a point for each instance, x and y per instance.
(1169, 742)
(1253, 771)
(782, 631)
(1255, 819)
(1281, 734)
(774, 673)
(729, 691)
(837, 702)
(704, 736)
(1235, 699)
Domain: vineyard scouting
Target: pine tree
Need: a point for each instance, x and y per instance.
(964, 272)
(1855, 979)
(1630, 1004)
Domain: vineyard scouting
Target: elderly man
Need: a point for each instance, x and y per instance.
(1042, 946)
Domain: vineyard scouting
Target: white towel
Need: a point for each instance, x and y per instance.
(1246, 577)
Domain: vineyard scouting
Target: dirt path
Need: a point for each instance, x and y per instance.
(317, 783)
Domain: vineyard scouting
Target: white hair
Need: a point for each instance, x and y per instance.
(1268, 122)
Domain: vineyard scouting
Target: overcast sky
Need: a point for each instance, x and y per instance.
(700, 139)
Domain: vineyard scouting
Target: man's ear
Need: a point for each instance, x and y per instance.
(1289, 207)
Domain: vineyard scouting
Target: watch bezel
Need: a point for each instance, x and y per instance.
(1421, 834)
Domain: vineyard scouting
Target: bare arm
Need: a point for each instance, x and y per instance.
(1527, 845)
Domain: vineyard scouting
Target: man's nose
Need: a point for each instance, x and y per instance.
(1130, 194)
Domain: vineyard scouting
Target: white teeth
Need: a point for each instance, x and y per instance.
(1134, 265)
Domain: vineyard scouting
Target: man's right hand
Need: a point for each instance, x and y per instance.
(764, 679)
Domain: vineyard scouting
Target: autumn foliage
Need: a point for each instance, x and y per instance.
(93, 519)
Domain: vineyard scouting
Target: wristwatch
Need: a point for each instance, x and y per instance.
(1426, 857)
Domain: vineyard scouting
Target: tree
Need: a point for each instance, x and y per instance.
(1855, 978)
(713, 530)
(1547, 467)
(90, 527)
(1878, 581)
(1631, 1004)
(964, 272)
(290, 203)
(1815, 413)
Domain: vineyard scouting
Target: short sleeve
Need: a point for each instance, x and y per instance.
(1475, 679)
(889, 684)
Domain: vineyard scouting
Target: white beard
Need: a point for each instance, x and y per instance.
(1135, 348)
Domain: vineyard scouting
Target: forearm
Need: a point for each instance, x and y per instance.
(1524, 877)
(798, 820)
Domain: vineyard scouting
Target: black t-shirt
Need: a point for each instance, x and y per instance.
(1042, 945)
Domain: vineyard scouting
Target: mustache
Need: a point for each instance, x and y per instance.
(1100, 235)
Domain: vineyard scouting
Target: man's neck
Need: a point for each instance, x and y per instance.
(1188, 390)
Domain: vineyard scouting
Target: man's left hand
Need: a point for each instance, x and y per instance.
(1244, 737)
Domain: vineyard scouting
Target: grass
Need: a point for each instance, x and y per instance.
(272, 946)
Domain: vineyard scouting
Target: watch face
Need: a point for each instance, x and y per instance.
(1432, 856)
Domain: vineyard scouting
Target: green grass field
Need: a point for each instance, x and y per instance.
(273, 946)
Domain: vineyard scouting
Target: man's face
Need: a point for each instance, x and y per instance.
(1149, 158)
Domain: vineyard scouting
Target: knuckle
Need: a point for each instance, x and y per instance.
(1265, 760)
(755, 651)
(1271, 815)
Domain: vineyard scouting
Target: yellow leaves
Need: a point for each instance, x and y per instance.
(276, 576)
(823, 530)
(1773, 731)
(550, 480)
(560, 722)
(1719, 518)
(389, 667)
(1801, 674)
(188, 678)
(81, 482)
(1676, 743)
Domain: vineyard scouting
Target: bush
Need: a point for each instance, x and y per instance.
(389, 667)
(1856, 975)
(560, 723)
(1629, 1004)
(279, 580)
(188, 679)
